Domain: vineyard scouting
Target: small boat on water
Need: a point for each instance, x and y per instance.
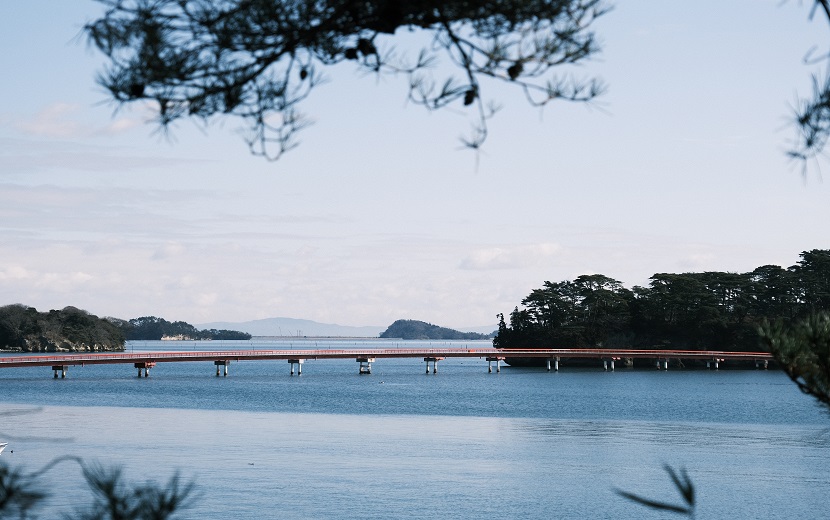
(3, 446)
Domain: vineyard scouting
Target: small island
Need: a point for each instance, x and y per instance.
(151, 328)
(413, 329)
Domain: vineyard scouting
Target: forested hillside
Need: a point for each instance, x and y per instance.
(153, 328)
(413, 329)
(25, 329)
(709, 310)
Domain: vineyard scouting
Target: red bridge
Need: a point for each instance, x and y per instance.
(146, 360)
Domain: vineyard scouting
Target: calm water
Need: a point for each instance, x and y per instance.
(398, 443)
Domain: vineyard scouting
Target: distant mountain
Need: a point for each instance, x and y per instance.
(295, 328)
(413, 329)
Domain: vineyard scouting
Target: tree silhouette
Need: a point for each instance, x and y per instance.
(257, 60)
(812, 115)
(22, 493)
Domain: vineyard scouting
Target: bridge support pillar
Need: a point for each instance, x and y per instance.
(146, 366)
(761, 364)
(222, 363)
(61, 369)
(608, 364)
(489, 364)
(299, 363)
(365, 365)
(434, 361)
(662, 364)
(716, 363)
(556, 364)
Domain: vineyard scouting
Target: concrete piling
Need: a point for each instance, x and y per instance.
(144, 365)
(434, 361)
(299, 363)
(365, 365)
(222, 363)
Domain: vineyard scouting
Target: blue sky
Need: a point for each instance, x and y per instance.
(378, 215)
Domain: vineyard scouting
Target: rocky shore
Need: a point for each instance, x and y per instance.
(59, 344)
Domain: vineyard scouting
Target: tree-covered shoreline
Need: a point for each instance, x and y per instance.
(697, 311)
(25, 329)
(151, 328)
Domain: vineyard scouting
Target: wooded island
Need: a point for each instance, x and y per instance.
(414, 329)
(696, 311)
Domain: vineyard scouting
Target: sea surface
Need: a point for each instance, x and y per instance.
(399, 443)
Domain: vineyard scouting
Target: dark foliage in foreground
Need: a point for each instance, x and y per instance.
(257, 60)
(22, 493)
(696, 311)
(812, 114)
(684, 486)
(19, 493)
(803, 351)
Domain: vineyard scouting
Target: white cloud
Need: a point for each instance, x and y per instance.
(206, 299)
(15, 277)
(122, 124)
(510, 257)
(62, 281)
(306, 252)
(168, 250)
(696, 261)
(15, 273)
(66, 120)
(56, 120)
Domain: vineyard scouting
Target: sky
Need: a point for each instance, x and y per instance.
(379, 214)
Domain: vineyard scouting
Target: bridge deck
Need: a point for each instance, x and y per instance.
(240, 355)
